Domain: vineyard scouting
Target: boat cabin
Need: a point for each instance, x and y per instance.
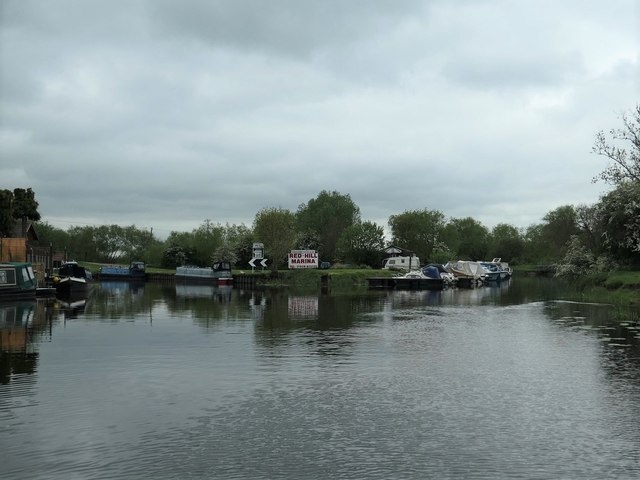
(17, 280)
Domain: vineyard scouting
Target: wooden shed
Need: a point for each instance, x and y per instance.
(23, 246)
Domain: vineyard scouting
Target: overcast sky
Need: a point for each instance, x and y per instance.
(165, 113)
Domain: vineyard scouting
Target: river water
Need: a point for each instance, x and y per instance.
(164, 381)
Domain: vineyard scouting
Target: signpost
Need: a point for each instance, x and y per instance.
(258, 254)
(263, 262)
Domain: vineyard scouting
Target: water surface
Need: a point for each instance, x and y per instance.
(177, 381)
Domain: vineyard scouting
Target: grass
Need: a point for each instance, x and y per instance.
(623, 279)
(620, 287)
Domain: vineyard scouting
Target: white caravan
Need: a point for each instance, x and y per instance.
(402, 263)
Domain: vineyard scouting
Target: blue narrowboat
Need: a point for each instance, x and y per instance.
(135, 271)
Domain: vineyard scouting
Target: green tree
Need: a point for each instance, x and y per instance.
(579, 260)
(17, 205)
(197, 246)
(362, 244)
(619, 220)
(473, 238)
(560, 225)
(325, 218)
(417, 230)
(448, 243)
(506, 242)
(276, 228)
(441, 253)
(110, 243)
(137, 242)
(25, 205)
(6, 213)
(48, 234)
(82, 245)
(240, 239)
(153, 255)
(115, 243)
(176, 255)
(590, 227)
(179, 250)
(625, 166)
(207, 238)
(617, 214)
(225, 252)
(535, 250)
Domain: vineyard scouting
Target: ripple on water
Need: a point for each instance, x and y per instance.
(415, 392)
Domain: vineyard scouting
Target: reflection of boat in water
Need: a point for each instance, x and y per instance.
(218, 274)
(452, 296)
(19, 322)
(121, 287)
(217, 292)
(17, 280)
(71, 279)
(72, 306)
(15, 317)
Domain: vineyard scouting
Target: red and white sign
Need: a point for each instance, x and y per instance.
(303, 259)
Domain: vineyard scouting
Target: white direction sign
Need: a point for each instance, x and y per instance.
(258, 251)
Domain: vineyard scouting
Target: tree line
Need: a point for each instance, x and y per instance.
(580, 238)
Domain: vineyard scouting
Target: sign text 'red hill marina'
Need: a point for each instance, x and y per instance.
(303, 259)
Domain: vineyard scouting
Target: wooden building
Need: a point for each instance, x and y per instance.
(24, 246)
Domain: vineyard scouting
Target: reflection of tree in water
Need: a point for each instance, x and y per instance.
(620, 339)
(115, 299)
(207, 304)
(313, 324)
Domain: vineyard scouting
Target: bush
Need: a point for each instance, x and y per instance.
(579, 261)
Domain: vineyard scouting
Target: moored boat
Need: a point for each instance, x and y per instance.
(491, 272)
(466, 271)
(71, 279)
(135, 271)
(219, 273)
(17, 280)
(437, 270)
(505, 269)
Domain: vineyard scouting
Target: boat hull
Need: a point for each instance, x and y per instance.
(69, 286)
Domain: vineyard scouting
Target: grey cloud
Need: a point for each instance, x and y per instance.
(519, 71)
(166, 113)
(288, 27)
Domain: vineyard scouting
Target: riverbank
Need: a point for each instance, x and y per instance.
(619, 287)
(309, 278)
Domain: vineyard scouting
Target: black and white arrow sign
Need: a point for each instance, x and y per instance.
(262, 262)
